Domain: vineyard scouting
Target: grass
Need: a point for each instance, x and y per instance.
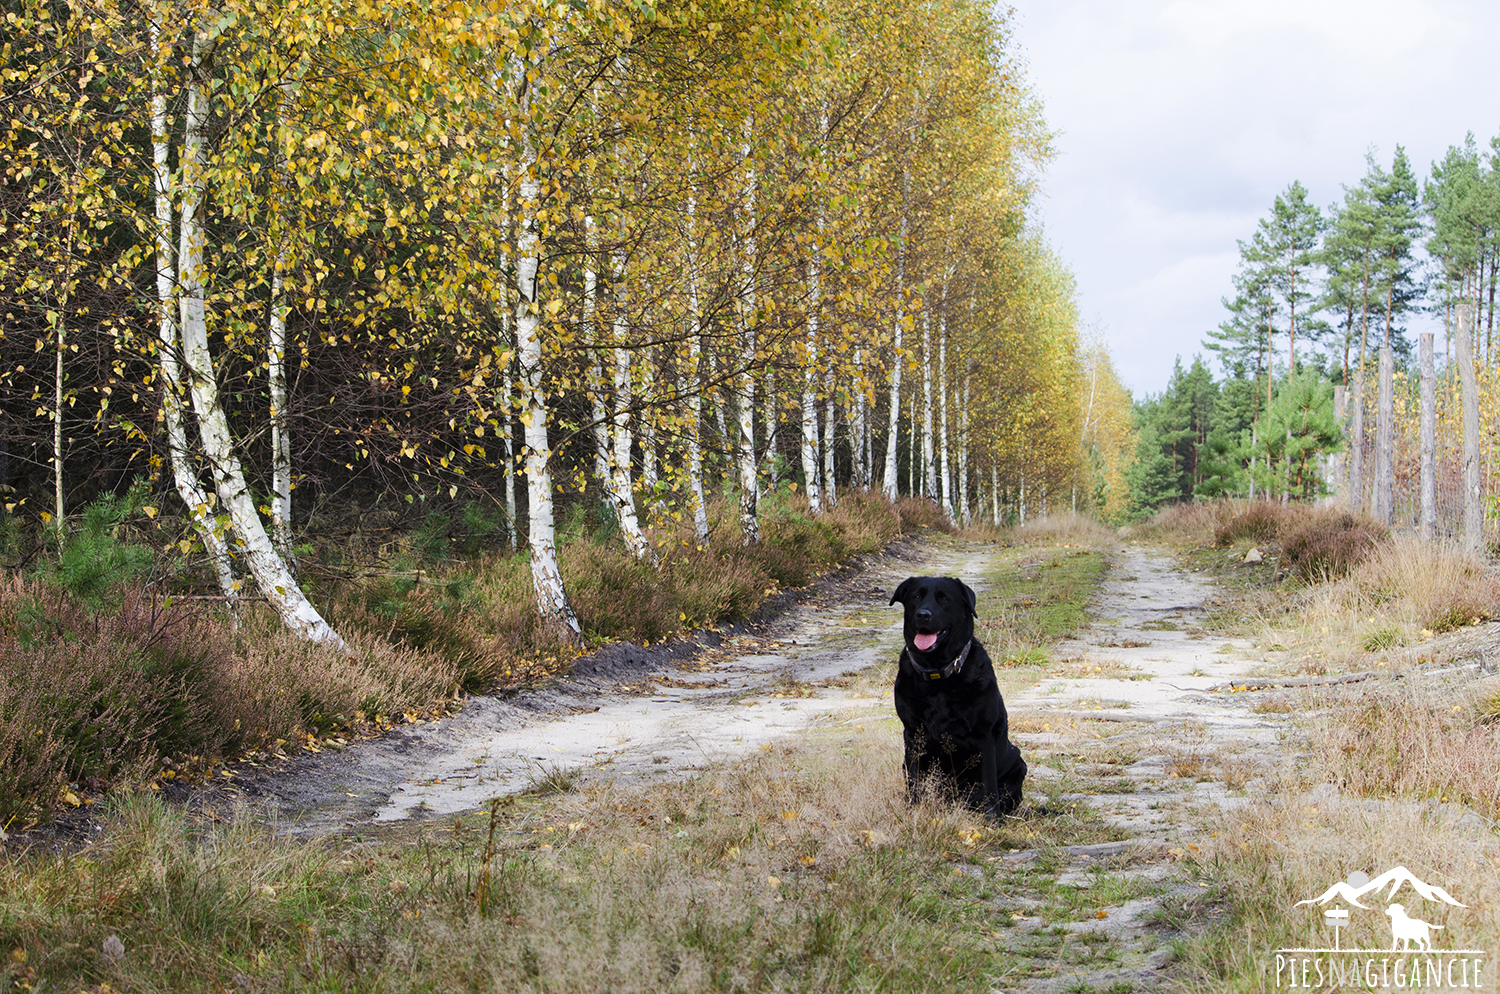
(1041, 594)
(803, 867)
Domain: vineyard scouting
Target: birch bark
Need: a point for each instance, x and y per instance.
(945, 471)
(546, 575)
(695, 394)
(830, 419)
(890, 484)
(184, 471)
(271, 574)
(745, 448)
(929, 464)
(281, 446)
(619, 468)
(809, 384)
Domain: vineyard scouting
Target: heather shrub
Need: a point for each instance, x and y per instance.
(710, 586)
(919, 514)
(1328, 545)
(616, 595)
(91, 699)
(1260, 521)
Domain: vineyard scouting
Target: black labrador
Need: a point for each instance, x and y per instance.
(953, 717)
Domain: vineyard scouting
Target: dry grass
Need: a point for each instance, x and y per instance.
(1414, 741)
(804, 868)
(1190, 525)
(1405, 592)
(1265, 858)
(1064, 528)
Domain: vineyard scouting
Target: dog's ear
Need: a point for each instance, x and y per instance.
(901, 590)
(970, 598)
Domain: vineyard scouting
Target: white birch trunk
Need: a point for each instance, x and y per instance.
(695, 393)
(945, 472)
(749, 483)
(809, 385)
(619, 482)
(929, 463)
(546, 575)
(830, 421)
(281, 445)
(963, 458)
(273, 578)
(890, 485)
(599, 411)
(995, 495)
(184, 472)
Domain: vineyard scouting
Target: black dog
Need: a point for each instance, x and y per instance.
(954, 719)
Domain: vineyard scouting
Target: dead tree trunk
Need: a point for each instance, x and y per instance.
(1473, 499)
(1429, 441)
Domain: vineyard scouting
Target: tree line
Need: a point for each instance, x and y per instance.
(283, 256)
(1334, 287)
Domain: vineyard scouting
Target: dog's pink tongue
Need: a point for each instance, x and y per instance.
(924, 642)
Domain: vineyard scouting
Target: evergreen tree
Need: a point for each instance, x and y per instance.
(1299, 426)
(1399, 223)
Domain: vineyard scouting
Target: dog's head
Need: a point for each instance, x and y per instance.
(939, 614)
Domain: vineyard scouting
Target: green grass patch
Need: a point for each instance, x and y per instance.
(1037, 596)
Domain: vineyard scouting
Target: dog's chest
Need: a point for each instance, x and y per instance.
(959, 710)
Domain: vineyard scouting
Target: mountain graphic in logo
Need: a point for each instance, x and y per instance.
(1358, 886)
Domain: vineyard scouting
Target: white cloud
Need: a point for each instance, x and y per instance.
(1181, 120)
(1370, 28)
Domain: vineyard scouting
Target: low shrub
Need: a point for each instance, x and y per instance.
(1325, 545)
(1427, 742)
(1259, 521)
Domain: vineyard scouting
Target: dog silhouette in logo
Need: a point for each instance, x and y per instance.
(1408, 930)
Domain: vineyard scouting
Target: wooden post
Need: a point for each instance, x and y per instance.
(1429, 441)
(1473, 509)
(1384, 508)
(1357, 440)
(1340, 462)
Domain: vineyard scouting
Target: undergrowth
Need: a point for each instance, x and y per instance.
(108, 675)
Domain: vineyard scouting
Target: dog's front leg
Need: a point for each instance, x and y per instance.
(916, 766)
(989, 770)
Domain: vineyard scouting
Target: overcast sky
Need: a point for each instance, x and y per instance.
(1180, 120)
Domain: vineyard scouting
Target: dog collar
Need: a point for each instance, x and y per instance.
(950, 670)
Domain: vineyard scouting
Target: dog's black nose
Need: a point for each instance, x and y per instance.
(923, 615)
